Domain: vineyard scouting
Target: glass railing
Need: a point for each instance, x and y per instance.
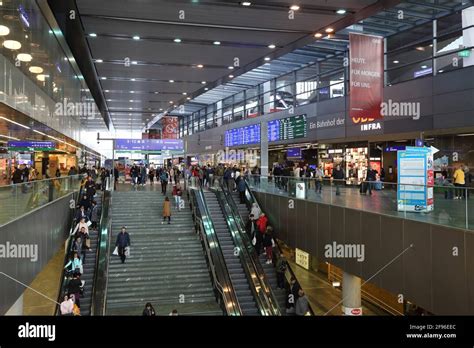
(19, 199)
(452, 205)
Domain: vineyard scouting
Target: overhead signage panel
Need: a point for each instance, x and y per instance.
(149, 144)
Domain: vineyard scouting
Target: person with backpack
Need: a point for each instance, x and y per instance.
(166, 210)
(281, 267)
(164, 181)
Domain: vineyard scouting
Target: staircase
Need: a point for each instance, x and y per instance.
(89, 265)
(269, 269)
(234, 266)
(167, 266)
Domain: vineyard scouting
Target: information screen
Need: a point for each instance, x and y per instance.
(294, 153)
(148, 144)
(243, 136)
(287, 128)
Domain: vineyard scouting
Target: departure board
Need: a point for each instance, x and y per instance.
(287, 128)
(243, 136)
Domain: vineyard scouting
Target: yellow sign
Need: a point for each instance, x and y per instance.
(302, 258)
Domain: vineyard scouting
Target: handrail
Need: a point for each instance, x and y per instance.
(255, 274)
(250, 199)
(214, 254)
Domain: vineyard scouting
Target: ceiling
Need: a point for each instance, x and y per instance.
(135, 73)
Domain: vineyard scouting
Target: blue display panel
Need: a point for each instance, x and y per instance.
(243, 136)
(294, 153)
(148, 144)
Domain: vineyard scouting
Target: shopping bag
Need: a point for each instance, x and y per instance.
(254, 240)
(127, 251)
(88, 243)
(88, 223)
(115, 251)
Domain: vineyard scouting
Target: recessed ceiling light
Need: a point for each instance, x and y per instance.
(216, 42)
(424, 66)
(35, 69)
(24, 57)
(157, 92)
(106, 90)
(203, 82)
(103, 78)
(161, 109)
(420, 48)
(108, 99)
(134, 62)
(184, 93)
(246, 3)
(231, 76)
(11, 44)
(396, 61)
(206, 89)
(130, 108)
(171, 81)
(136, 37)
(93, 35)
(133, 79)
(4, 30)
(131, 100)
(329, 30)
(341, 11)
(188, 98)
(41, 77)
(318, 35)
(272, 46)
(177, 40)
(200, 66)
(441, 71)
(171, 102)
(230, 68)
(294, 7)
(267, 58)
(99, 61)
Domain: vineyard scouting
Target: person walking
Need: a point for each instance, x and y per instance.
(370, 178)
(164, 181)
(318, 178)
(94, 215)
(123, 242)
(261, 223)
(268, 244)
(167, 210)
(241, 189)
(151, 175)
(149, 311)
(281, 267)
(338, 177)
(302, 305)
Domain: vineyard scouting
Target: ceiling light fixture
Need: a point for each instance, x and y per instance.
(171, 81)
(329, 30)
(106, 90)
(230, 68)
(184, 93)
(12, 44)
(200, 66)
(206, 89)
(133, 79)
(341, 11)
(318, 35)
(8, 137)
(424, 66)
(177, 40)
(267, 58)
(103, 78)
(4, 30)
(246, 3)
(18, 124)
(294, 7)
(188, 98)
(272, 46)
(35, 69)
(93, 35)
(171, 102)
(136, 37)
(217, 43)
(231, 76)
(134, 62)
(41, 77)
(99, 61)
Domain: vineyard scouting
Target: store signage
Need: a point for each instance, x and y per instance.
(395, 148)
(366, 79)
(169, 127)
(31, 145)
(149, 144)
(353, 311)
(336, 121)
(464, 54)
(302, 258)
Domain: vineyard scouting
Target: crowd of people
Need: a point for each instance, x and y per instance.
(85, 222)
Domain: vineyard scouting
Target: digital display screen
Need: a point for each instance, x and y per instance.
(294, 152)
(287, 128)
(243, 136)
(149, 144)
(32, 145)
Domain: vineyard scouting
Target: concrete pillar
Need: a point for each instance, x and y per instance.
(267, 86)
(264, 149)
(352, 303)
(219, 113)
(468, 34)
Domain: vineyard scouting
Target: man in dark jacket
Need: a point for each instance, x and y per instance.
(17, 177)
(74, 287)
(241, 188)
(123, 241)
(338, 176)
(371, 176)
(90, 188)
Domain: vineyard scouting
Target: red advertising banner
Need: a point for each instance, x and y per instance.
(366, 77)
(169, 127)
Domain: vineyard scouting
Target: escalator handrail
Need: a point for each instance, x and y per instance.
(216, 260)
(250, 198)
(266, 299)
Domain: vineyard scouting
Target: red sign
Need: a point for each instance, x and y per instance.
(366, 77)
(169, 127)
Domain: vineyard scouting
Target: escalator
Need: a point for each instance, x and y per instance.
(231, 257)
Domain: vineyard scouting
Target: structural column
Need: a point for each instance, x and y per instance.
(351, 304)
(264, 150)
